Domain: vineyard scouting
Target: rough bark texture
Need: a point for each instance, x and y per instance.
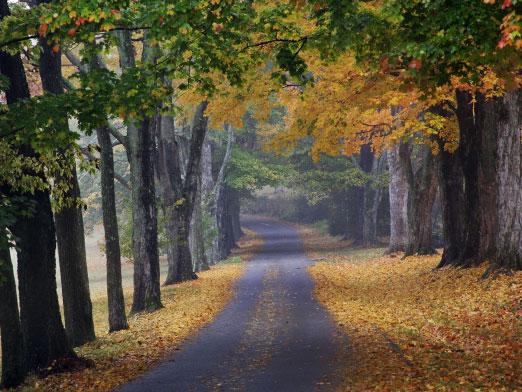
(451, 184)
(212, 196)
(509, 203)
(398, 191)
(44, 335)
(70, 235)
(42, 329)
(477, 125)
(13, 371)
(185, 204)
(421, 196)
(169, 175)
(140, 151)
(116, 300)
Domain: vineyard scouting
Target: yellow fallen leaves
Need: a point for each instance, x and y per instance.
(416, 328)
(123, 355)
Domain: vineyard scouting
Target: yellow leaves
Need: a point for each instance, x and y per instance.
(123, 355)
(459, 332)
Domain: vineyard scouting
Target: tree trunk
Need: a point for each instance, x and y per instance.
(373, 197)
(451, 184)
(398, 191)
(169, 174)
(215, 199)
(208, 202)
(42, 329)
(70, 235)
(509, 203)
(13, 370)
(116, 300)
(421, 196)
(140, 150)
(45, 339)
(477, 125)
(198, 242)
(147, 294)
(185, 205)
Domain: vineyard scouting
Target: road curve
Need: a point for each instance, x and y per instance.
(273, 336)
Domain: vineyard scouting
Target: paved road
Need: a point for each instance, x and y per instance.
(273, 336)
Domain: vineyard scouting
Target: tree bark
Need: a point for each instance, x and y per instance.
(451, 184)
(70, 235)
(477, 126)
(185, 205)
(198, 251)
(398, 191)
(43, 333)
(13, 370)
(140, 140)
(169, 175)
(508, 253)
(421, 196)
(116, 300)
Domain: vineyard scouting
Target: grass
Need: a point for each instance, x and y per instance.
(121, 356)
(413, 327)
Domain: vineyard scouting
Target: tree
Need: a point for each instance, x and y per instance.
(69, 224)
(42, 329)
(13, 366)
(140, 150)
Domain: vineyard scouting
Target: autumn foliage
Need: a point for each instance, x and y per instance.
(416, 328)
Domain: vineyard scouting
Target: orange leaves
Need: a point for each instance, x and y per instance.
(415, 64)
(42, 30)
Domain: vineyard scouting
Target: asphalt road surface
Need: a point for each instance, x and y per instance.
(273, 336)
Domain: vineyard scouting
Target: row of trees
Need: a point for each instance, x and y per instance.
(434, 88)
(134, 65)
(429, 90)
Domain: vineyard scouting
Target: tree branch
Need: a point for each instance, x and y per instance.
(121, 138)
(123, 182)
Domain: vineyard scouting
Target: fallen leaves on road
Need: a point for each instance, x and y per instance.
(415, 328)
(121, 356)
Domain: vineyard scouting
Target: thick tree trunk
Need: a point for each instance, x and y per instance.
(421, 196)
(451, 184)
(477, 125)
(69, 227)
(140, 150)
(509, 203)
(44, 335)
(116, 300)
(398, 191)
(13, 370)
(147, 294)
(42, 329)
(169, 174)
